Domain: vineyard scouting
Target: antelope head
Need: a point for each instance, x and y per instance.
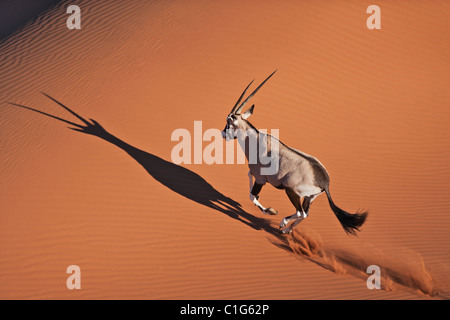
(236, 118)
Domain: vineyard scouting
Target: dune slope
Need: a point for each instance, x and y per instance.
(372, 105)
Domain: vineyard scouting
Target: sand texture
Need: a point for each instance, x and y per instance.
(372, 105)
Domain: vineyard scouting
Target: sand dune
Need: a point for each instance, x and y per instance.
(372, 105)
(400, 266)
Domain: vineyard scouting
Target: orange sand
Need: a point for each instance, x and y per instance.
(373, 106)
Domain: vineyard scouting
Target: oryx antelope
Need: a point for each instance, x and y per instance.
(299, 174)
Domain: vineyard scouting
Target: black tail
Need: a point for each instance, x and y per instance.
(350, 222)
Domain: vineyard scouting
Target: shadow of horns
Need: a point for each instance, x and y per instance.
(175, 177)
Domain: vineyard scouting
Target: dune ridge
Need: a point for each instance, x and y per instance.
(371, 106)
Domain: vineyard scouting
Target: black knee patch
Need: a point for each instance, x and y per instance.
(256, 189)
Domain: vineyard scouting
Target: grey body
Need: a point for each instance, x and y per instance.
(302, 176)
(298, 172)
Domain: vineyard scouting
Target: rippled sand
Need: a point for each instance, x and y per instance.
(373, 106)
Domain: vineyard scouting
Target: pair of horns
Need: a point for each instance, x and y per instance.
(237, 109)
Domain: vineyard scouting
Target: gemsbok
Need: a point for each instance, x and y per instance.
(299, 174)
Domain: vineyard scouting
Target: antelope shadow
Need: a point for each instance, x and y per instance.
(179, 179)
(192, 186)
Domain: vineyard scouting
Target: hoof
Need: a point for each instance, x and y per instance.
(283, 223)
(271, 211)
(284, 231)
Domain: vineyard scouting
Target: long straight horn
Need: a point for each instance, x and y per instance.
(240, 98)
(238, 110)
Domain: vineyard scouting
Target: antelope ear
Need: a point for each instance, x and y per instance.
(248, 113)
